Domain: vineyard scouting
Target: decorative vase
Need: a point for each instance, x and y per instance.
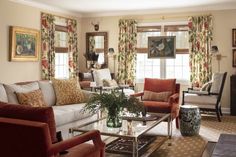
(190, 120)
(114, 120)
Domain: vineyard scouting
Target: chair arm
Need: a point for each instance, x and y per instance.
(140, 94)
(66, 144)
(174, 98)
(87, 94)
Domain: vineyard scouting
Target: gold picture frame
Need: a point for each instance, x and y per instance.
(24, 44)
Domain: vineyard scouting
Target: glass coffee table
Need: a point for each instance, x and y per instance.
(132, 128)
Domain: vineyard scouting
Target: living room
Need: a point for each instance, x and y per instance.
(27, 14)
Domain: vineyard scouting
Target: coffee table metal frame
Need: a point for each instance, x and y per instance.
(138, 129)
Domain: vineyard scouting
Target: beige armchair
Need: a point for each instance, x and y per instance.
(101, 76)
(207, 100)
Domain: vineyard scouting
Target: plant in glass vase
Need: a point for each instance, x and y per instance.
(114, 103)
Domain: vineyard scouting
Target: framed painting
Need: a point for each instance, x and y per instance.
(24, 44)
(161, 47)
(233, 37)
(234, 58)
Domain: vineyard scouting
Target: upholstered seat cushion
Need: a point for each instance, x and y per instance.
(200, 99)
(69, 113)
(84, 149)
(156, 106)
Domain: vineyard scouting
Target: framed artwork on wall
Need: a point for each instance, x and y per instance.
(161, 47)
(24, 44)
(234, 58)
(234, 37)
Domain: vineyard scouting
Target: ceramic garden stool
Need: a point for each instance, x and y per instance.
(190, 120)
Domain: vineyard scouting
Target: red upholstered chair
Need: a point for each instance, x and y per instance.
(171, 105)
(30, 132)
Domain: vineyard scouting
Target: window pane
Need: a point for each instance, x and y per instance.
(61, 65)
(181, 39)
(146, 67)
(61, 39)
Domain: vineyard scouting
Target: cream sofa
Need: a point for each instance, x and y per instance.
(66, 116)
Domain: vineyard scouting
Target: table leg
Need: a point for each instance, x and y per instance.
(169, 127)
(135, 147)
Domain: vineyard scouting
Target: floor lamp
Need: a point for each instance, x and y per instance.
(215, 53)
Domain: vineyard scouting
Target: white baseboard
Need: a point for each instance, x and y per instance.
(225, 110)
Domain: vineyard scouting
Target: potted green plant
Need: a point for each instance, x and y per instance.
(114, 103)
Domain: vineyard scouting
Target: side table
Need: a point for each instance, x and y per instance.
(190, 120)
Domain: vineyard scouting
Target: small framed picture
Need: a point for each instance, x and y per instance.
(234, 37)
(24, 44)
(234, 57)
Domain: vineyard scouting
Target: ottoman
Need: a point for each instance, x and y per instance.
(190, 120)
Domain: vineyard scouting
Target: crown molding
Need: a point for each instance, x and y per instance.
(47, 7)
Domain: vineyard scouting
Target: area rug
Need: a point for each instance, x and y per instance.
(146, 151)
(193, 146)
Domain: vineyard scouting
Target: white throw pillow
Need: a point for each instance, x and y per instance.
(100, 75)
(11, 89)
(3, 94)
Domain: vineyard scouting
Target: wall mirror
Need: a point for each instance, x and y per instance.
(96, 50)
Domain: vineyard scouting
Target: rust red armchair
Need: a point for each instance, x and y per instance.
(26, 132)
(158, 88)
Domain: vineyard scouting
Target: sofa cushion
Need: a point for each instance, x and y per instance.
(33, 98)
(159, 107)
(154, 96)
(48, 92)
(3, 94)
(69, 113)
(67, 91)
(11, 89)
(160, 85)
(40, 114)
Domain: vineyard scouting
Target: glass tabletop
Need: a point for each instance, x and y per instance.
(129, 128)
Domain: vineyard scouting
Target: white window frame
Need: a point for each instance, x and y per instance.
(163, 61)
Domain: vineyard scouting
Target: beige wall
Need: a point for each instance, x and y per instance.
(223, 24)
(14, 14)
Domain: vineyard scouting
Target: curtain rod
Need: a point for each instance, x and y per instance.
(166, 17)
(59, 16)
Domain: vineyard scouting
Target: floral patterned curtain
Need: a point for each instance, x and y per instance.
(73, 47)
(127, 50)
(48, 48)
(200, 37)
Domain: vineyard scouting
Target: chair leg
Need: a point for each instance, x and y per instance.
(221, 112)
(177, 122)
(218, 115)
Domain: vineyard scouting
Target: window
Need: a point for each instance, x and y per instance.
(163, 68)
(61, 49)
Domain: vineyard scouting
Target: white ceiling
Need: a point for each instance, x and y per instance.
(128, 7)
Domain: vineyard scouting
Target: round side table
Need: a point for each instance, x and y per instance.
(190, 120)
